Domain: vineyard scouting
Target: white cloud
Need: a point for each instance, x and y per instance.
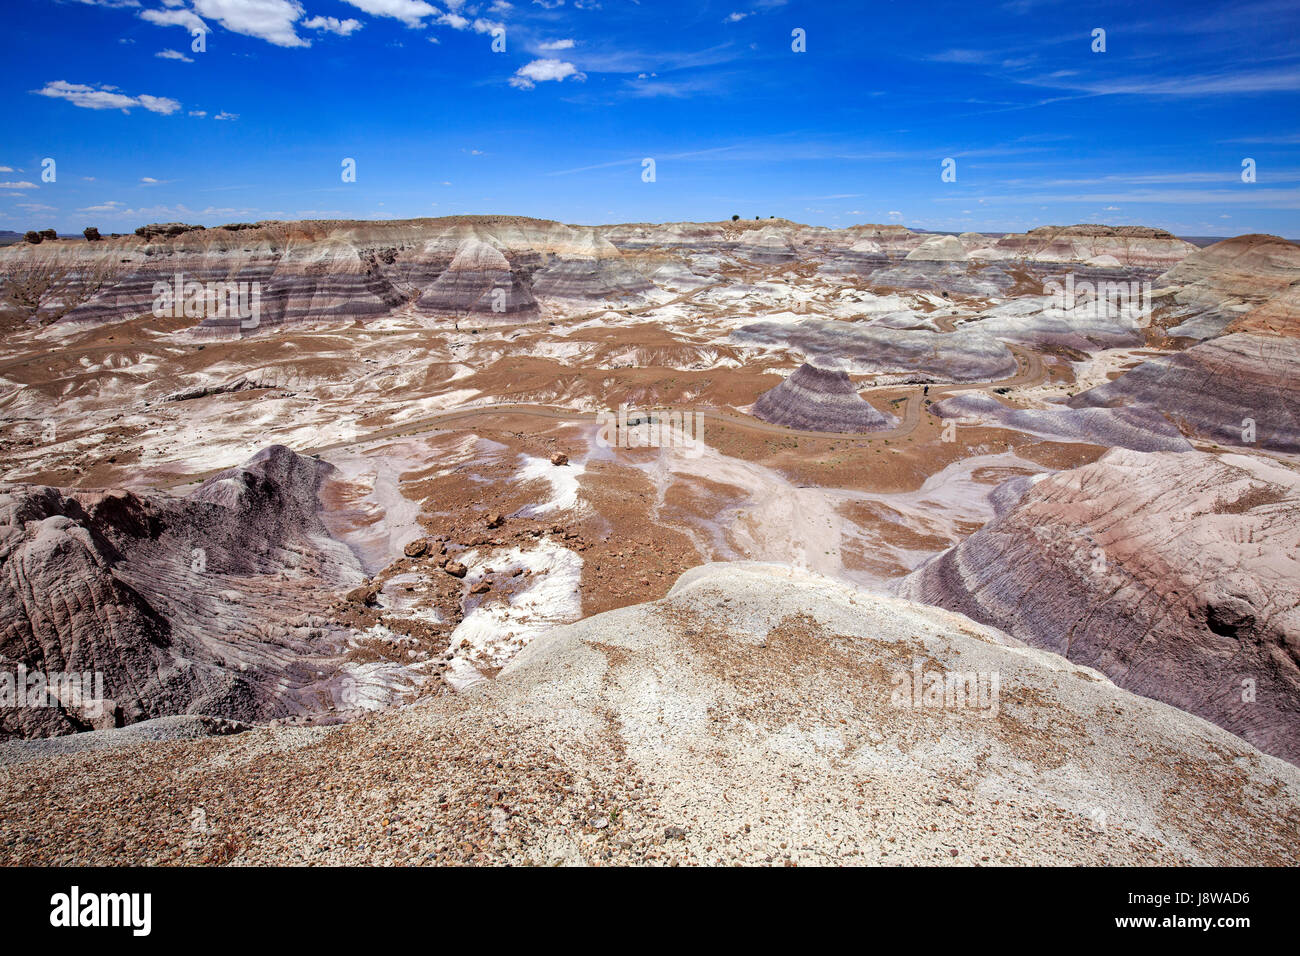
(410, 12)
(111, 206)
(333, 25)
(456, 21)
(106, 97)
(148, 180)
(21, 185)
(36, 207)
(556, 45)
(198, 112)
(173, 55)
(159, 104)
(735, 18)
(223, 115)
(269, 20)
(175, 18)
(6, 169)
(540, 71)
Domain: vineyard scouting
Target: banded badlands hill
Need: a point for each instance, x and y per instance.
(495, 539)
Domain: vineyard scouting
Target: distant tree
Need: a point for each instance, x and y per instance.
(33, 237)
(736, 217)
(91, 234)
(755, 217)
(49, 234)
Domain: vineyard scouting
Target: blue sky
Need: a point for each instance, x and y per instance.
(142, 127)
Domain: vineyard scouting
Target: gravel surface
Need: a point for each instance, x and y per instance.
(745, 718)
(180, 727)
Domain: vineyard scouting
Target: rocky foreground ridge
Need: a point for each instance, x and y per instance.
(756, 714)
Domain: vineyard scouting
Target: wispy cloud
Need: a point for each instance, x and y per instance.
(1275, 80)
(104, 97)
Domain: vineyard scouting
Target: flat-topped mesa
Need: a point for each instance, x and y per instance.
(180, 605)
(1174, 574)
(155, 230)
(302, 271)
(1248, 283)
(1138, 247)
(819, 399)
(224, 284)
(862, 258)
(713, 237)
(895, 241)
(939, 249)
(965, 355)
(342, 270)
(480, 284)
(769, 246)
(1238, 390)
(942, 263)
(591, 270)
